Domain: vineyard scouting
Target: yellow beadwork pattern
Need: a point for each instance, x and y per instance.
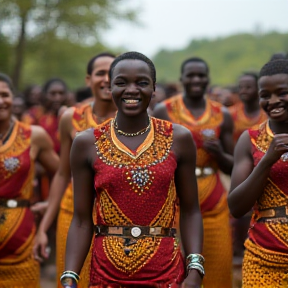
(137, 167)
(110, 211)
(180, 114)
(154, 150)
(9, 163)
(142, 249)
(272, 196)
(264, 268)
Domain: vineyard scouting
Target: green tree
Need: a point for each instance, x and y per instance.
(77, 21)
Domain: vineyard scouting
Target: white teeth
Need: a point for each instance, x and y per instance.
(277, 110)
(131, 101)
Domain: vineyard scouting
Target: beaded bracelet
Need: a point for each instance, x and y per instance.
(195, 261)
(197, 267)
(69, 279)
(195, 258)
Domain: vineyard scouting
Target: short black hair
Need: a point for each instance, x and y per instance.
(5, 78)
(194, 59)
(274, 67)
(93, 59)
(251, 74)
(49, 82)
(83, 93)
(278, 56)
(134, 56)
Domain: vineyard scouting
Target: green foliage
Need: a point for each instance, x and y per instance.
(227, 57)
(5, 52)
(58, 58)
(41, 25)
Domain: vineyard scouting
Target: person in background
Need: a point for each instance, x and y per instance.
(260, 177)
(74, 120)
(160, 95)
(131, 183)
(20, 146)
(278, 56)
(247, 112)
(32, 97)
(18, 107)
(54, 95)
(212, 128)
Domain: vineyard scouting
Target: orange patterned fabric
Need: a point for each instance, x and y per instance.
(212, 195)
(17, 227)
(242, 122)
(82, 119)
(267, 244)
(135, 188)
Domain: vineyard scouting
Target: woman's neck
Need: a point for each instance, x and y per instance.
(279, 127)
(131, 124)
(251, 107)
(104, 109)
(4, 126)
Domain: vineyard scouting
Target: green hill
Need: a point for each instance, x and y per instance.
(227, 57)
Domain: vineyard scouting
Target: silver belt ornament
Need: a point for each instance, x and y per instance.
(204, 171)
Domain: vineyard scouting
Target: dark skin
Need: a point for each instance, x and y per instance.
(98, 81)
(248, 93)
(131, 80)
(273, 93)
(194, 80)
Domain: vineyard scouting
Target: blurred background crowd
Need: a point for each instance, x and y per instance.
(45, 47)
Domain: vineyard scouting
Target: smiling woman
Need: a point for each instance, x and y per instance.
(134, 163)
(260, 177)
(20, 146)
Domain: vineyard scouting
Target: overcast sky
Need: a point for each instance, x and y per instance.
(172, 24)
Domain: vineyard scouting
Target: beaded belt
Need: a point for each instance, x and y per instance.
(280, 212)
(134, 231)
(14, 203)
(204, 171)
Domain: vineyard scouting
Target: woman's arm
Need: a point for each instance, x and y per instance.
(58, 186)
(81, 229)
(222, 149)
(191, 226)
(247, 182)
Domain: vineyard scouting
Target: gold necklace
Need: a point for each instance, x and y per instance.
(141, 132)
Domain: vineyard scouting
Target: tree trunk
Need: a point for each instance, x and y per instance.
(19, 53)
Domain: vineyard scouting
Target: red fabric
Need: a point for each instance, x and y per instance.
(16, 224)
(50, 123)
(271, 236)
(165, 266)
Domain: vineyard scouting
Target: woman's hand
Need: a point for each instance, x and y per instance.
(39, 207)
(41, 245)
(193, 280)
(277, 148)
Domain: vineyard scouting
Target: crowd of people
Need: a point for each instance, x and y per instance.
(132, 171)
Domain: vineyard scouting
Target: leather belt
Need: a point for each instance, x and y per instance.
(134, 231)
(14, 203)
(272, 213)
(204, 171)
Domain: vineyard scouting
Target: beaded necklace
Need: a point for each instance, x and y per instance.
(126, 134)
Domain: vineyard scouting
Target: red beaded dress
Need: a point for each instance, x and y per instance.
(212, 194)
(135, 188)
(18, 268)
(265, 261)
